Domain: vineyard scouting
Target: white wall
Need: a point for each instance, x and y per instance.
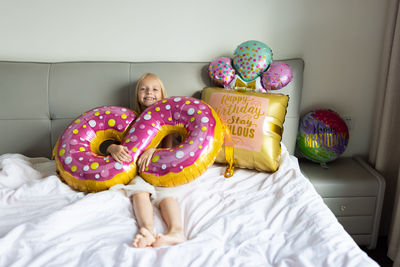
(339, 40)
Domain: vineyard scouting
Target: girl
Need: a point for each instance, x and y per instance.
(149, 90)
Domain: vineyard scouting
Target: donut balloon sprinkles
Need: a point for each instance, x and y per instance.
(79, 161)
(202, 138)
(83, 167)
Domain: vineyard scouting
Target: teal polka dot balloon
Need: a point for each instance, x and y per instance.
(252, 58)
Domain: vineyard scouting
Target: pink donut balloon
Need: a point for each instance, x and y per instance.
(202, 138)
(221, 71)
(79, 161)
(278, 75)
(82, 166)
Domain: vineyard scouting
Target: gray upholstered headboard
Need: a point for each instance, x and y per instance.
(38, 100)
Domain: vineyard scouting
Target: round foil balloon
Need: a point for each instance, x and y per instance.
(277, 76)
(323, 136)
(221, 71)
(251, 58)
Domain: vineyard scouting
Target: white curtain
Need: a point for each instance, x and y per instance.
(394, 244)
(385, 145)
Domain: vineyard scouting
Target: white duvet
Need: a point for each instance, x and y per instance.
(251, 219)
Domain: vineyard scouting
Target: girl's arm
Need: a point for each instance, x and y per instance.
(119, 153)
(145, 158)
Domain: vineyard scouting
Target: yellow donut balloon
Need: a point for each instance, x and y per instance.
(82, 166)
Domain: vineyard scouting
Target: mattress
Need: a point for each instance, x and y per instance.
(251, 219)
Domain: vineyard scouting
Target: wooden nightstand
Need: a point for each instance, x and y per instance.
(353, 191)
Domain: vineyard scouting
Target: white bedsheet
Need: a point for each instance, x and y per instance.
(251, 219)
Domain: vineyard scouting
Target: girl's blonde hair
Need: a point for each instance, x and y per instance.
(136, 105)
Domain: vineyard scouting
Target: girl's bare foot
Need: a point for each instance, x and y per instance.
(144, 239)
(170, 238)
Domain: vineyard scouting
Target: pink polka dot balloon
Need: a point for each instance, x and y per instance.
(278, 75)
(221, 71)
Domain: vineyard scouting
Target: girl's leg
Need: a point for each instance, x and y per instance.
(144, 214)
(171, 214)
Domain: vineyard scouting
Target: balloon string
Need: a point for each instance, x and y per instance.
(229, 151)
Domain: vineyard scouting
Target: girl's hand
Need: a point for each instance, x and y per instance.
(119, 153)
(144, 159)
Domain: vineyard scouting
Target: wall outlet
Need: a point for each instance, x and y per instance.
(349, 121)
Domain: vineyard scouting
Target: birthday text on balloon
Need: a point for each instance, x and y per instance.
(240, 105)
(316, 140)
(244, 115)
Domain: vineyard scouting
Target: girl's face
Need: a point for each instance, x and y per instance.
(149, 92)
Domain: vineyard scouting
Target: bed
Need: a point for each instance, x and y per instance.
(252, 219)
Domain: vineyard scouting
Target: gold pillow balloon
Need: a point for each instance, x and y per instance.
(255, 122)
